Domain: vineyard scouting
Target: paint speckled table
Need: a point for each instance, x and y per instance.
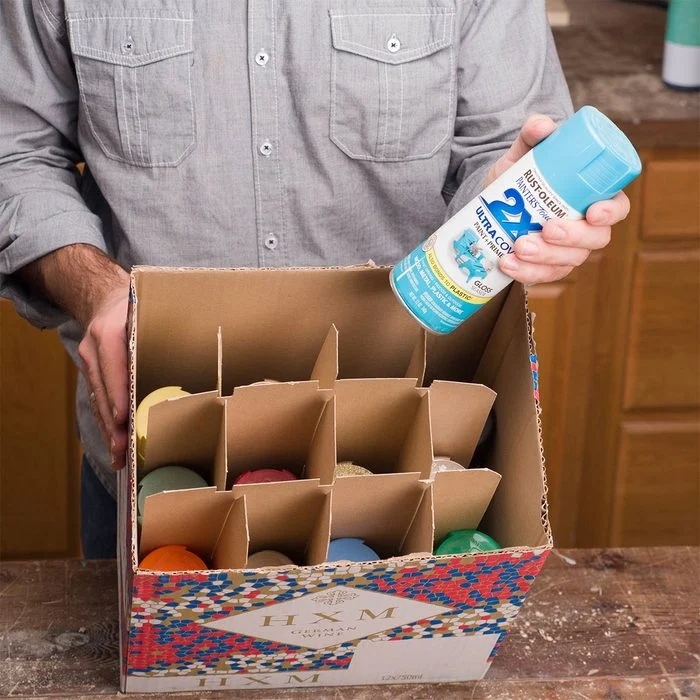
(613, 624)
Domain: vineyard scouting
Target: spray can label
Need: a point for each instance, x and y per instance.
(455, 272)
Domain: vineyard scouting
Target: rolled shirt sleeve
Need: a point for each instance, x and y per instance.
(508, 69)
(41, 207)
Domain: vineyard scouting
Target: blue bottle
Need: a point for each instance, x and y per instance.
(455, 272)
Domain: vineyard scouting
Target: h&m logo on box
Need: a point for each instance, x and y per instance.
(327, 618)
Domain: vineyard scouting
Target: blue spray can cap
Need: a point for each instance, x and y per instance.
(587, 159)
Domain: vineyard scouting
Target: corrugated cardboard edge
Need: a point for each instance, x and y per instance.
(533, 359)
(126, 499)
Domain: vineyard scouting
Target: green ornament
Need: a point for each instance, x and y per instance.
(467, 542)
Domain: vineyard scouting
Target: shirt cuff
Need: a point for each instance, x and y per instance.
(67, 228)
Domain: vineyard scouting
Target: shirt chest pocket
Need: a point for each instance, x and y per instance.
(135, 82)
(392, 82)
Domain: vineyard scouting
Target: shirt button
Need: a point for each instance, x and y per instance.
(266, 148)
(393, 44)
(128, 45)
(261, 58)
(271, 241)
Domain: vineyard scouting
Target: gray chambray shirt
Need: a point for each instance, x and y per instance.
(269, 133)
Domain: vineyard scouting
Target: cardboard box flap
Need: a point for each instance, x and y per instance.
(325, 371)
(378, 509)
(273, 425)
(185, 431)
(374, 418)
(231, 548)
(421, 534)
(282, 516)
(460, 499)
(517, 453)
(191, 517)
(458, 413)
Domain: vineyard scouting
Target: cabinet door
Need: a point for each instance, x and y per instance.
(39, 450)
(639, 484)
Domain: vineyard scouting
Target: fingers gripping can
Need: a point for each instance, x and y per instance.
(455, 272)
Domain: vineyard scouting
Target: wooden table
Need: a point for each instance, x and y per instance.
(615, 623)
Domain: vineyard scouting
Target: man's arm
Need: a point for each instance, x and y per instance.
(41, 208)
(92, 277)
(82, 281)
(52, 264)
(508, 71)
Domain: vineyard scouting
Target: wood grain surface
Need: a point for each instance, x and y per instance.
(613, 624)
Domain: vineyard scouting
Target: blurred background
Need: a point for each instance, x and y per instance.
(618, 341)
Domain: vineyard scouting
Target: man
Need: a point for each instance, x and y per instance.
(265, 133)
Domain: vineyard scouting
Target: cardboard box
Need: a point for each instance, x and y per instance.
(358, 380)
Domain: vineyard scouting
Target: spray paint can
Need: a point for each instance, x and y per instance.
(682, 48)
(455, 272)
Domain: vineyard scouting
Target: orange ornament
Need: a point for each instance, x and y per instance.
(172, 557)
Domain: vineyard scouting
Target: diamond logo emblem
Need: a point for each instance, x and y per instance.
(330, 617)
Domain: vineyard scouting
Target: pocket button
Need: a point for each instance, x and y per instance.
(128, 45)
(393, 45)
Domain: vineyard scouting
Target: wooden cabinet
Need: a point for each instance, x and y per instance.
(39, 450)
(619, 349)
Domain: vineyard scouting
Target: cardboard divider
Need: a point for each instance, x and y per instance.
(187, 431)
(416, 365)
(252, 363)
(413, 369)
(458, 413)
(325, 369)
(264, 314)
(383, 425)
(381, 509)
(456, 356)
(219, 360)
(192, 517)
(160, 347)
(421, 533)
(231, 548)
(281, 426)
(460, 499)
(291, 517)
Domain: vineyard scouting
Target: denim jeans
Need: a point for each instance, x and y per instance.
(98, 517)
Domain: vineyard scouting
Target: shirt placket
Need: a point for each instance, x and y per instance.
(269, 189)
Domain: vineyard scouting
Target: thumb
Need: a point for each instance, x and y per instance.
(535, 129)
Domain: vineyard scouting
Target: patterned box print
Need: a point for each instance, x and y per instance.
(168, 635)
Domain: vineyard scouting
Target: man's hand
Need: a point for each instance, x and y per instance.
(103, 352)
(92, 288)
(562, 245)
